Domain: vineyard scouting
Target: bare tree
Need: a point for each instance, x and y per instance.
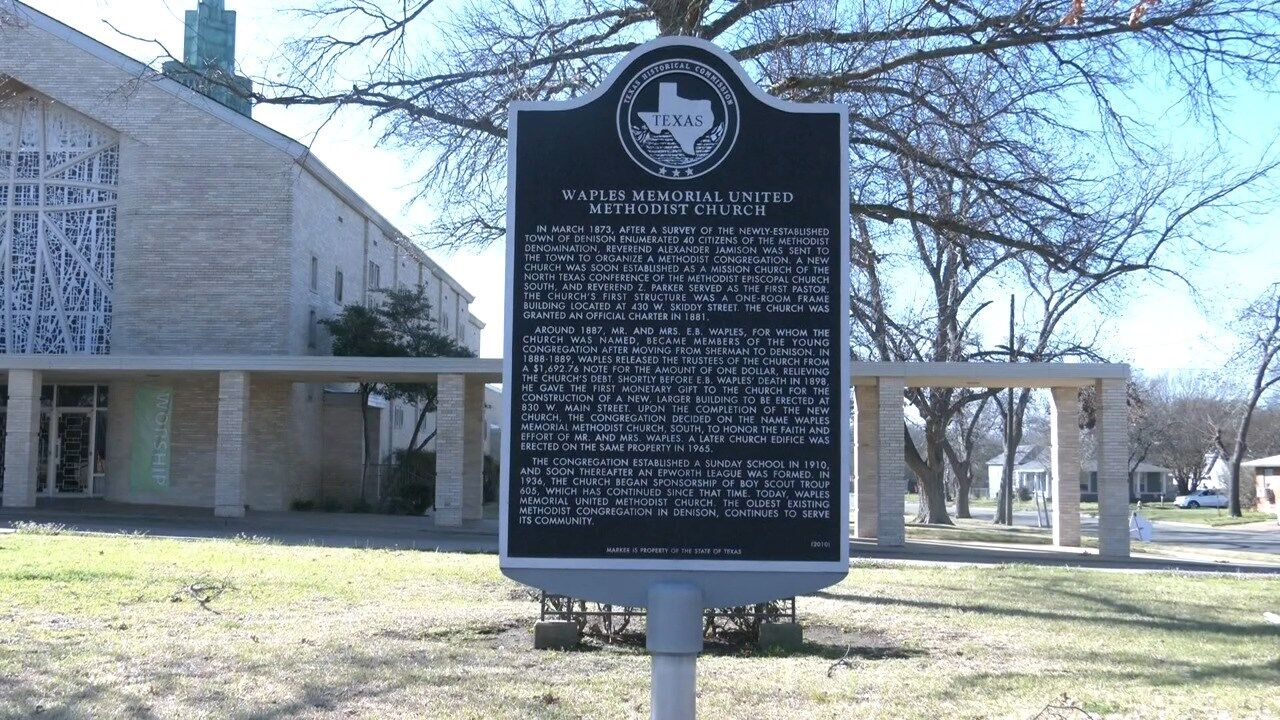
(1188, 406)
(438, 78)
(966, 145)
(1259, 325)
(972, 438)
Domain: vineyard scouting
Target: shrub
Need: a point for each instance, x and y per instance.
(492, 478)
(411, 489)
(303, 505)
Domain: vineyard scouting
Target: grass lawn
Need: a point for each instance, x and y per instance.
(986, 502)
(91, 627)
(1215, 517)
(979, 531)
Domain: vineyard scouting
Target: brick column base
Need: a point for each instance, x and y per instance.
(866, 475)
(21, 440)
(233, 444)
(450, 453)
(892, 465)
(1064, 423)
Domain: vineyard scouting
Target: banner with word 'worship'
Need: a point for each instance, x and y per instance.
(152, 418)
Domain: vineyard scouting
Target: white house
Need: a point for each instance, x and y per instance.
(1266, 478)
(1031, 471)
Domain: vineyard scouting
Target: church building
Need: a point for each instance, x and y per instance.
(148, 226)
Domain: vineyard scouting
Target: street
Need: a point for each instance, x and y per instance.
(1172, 533)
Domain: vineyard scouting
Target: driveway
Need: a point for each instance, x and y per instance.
(1261, 540)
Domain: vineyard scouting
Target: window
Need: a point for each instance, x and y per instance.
(312, 330)
(59, 178)
(315, 273)
(399, 417)
(1151, 482)
(375, 276)
(337, 286)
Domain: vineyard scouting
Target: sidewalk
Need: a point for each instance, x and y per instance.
(986, 553)
(294, 528)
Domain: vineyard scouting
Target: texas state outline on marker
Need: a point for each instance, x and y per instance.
(686, 120)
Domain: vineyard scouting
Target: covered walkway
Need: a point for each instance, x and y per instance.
(878, 464)
(460, 413)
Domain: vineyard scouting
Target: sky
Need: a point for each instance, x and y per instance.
(1163, 326)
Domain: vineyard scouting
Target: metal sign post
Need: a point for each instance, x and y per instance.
(674, 639)
(677, 408)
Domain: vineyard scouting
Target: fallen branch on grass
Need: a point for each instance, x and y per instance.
(1064, 709)
(203, 592)
(842, 662)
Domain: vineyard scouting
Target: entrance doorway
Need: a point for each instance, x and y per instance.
(72, 448)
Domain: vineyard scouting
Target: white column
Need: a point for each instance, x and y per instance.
(450, 411)
(1064, 428)
(1112, 430)
(473, 450)
(866, 477)
(232, 455)
(891, 461)
(22, 440)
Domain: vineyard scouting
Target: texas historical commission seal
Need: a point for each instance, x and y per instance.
(678, 119)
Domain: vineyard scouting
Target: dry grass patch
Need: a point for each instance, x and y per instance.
(88, 628)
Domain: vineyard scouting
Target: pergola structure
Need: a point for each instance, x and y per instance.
(879, 465)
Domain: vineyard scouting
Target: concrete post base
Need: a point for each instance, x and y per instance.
(781, 637)
(556, 635)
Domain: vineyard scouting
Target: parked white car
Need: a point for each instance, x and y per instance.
(1201, 498)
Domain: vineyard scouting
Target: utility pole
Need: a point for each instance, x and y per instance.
(1004, 511)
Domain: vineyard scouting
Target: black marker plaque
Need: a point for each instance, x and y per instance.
(675, 338)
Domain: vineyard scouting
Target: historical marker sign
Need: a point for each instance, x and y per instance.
(676, 341)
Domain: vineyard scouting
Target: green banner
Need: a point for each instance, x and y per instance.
(149, 460)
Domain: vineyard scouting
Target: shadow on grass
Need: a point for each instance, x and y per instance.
(1119, 613)
(742, 645)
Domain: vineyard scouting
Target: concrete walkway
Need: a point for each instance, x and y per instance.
(421, 533)
(291, 528)
(1255, 537)
(943, 552)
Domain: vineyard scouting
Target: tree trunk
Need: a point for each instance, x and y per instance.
(929, 475)
(964, 481)
(365, 391)
(1004, 499)
(1233, 501)
(1182, 483)
(963, 470)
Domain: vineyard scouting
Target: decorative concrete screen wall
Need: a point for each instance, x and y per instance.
(58, 177)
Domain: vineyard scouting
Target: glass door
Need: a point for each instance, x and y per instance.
(73, 451)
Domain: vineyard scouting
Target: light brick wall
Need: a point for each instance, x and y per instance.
(193, 437)
(21, 438)
(216, 230)
(866, 503)
(1064, 428)
(473, 451)
(1112, 431)
(450, 457)
(203, 207)
(342, 447)
(231, 460)
(194, 434)
(890, 455)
